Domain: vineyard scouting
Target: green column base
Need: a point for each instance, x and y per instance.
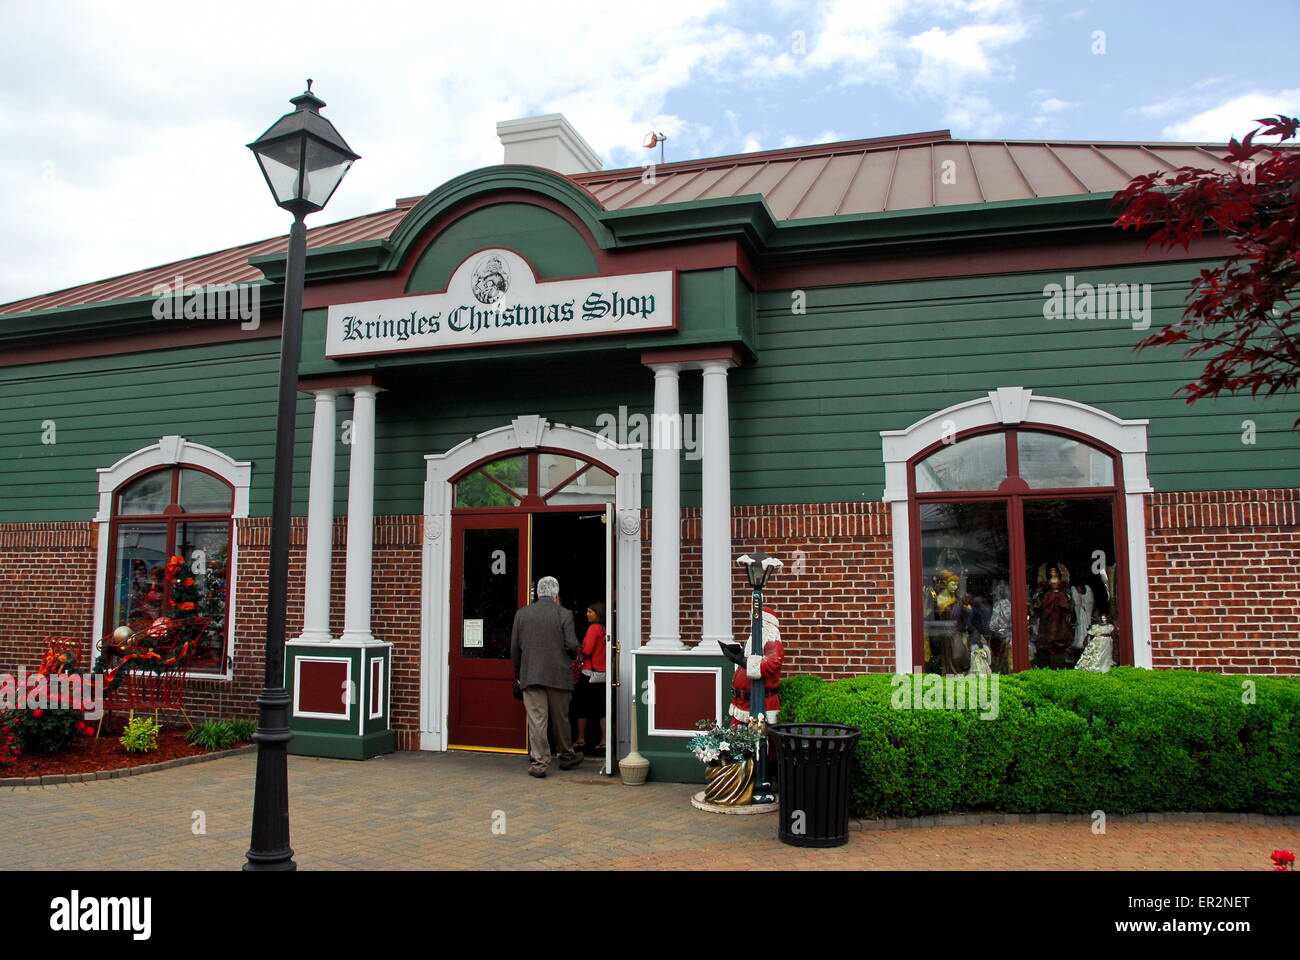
(344, 746)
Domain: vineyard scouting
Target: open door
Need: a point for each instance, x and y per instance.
(611, 647)
(490, 582)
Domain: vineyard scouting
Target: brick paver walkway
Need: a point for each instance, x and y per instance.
(478, 811)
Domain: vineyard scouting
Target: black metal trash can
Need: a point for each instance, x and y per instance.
(814, 762)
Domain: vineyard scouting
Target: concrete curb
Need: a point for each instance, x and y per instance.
(1017, 819)
(122, 771)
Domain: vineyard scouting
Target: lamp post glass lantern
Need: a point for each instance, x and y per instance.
(303, 159)
(759, 567)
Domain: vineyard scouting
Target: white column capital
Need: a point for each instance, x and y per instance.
(720, 365)
(368, 390)
(667, 368)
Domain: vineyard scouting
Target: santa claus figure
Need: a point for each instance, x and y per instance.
(757, 672)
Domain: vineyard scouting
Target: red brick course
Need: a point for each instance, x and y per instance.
(1224, 590)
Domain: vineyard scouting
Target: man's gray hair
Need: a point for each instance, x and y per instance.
(548, 587)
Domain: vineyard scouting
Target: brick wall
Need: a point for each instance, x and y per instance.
(1225, 594)
(1222, 568)
(835, 595)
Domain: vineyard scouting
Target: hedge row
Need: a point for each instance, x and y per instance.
(1070, 742)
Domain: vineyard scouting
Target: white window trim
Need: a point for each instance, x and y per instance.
(1007, 407)
(172, 451)
(350, 687)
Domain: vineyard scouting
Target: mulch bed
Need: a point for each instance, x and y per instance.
(92, 754)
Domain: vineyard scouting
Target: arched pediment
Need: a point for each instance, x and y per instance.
(483, 183)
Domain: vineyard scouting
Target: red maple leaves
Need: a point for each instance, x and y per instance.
(1241, 312)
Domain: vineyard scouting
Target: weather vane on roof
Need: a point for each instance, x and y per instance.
(651, 139)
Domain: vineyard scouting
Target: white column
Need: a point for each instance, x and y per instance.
(716, 560)
(320, 522)
(666, 513)
(361, 518)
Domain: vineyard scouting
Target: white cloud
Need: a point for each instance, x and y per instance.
(1236, 117)
(1053, 105)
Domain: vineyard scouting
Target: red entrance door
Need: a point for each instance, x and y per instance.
(490, 582)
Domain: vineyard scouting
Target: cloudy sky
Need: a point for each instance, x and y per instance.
(123, 124)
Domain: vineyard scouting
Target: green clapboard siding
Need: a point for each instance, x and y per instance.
(108, 407)
(806, 417)
(875, 357)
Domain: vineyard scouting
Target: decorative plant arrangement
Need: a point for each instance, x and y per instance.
(728, 757)
(141, 735)
(1283, 860)
(719, 745)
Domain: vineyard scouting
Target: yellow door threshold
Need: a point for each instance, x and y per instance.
(488, 749)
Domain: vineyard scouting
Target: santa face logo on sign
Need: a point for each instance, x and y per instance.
(491, 279)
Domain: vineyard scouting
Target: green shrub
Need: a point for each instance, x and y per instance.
(1072, 742)
(141, 735)
(220, 734)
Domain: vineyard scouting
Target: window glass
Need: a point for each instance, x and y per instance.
(1070, 561)
(593, 484)
(554, 468)
(148, 495)
(491, 593)
(170, 567)
(199, 587)
(477, 490)
(140, 592)
(203, 493)
(1049, 461)
(966, 587)
(976, 463)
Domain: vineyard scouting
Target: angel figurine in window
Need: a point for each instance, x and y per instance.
(1098, 655)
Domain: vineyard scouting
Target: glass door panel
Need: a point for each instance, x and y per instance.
(965, 589)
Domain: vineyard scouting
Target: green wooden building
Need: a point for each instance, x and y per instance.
(905, 366)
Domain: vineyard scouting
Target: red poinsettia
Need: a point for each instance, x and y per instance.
(1283, 860)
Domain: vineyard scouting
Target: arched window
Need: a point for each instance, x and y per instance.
(1017, 550)
(172, 499)
(534, 480)
(1018, 528)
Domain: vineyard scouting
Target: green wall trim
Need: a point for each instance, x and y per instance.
(364, 257)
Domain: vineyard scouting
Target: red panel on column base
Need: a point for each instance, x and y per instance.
(322, 687)
(682, 698)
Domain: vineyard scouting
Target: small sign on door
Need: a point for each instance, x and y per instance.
(472, 634)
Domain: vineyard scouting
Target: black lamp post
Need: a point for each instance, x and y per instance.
(303, 159)
(758, 568)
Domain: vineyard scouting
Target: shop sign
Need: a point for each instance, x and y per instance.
(494, 297)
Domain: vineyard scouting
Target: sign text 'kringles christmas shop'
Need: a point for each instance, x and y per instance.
(493, 297)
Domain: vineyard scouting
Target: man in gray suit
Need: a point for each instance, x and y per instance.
(542, 647)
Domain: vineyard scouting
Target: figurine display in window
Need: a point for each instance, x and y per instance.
(1098, 655)
(947, 620)
(1052, 617)
(1000, 627)
(1083, 601)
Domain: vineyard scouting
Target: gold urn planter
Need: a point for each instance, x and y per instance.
(729, 784)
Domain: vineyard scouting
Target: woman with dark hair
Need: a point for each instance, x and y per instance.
(593, 672)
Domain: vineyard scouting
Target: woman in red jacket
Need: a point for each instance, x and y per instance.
(593, 670)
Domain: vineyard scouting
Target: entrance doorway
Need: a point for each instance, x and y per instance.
(516, 520)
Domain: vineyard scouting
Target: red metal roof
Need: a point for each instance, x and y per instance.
(906, 172)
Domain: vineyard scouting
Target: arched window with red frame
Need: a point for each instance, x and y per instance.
(1017, 550)
(177, 511)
